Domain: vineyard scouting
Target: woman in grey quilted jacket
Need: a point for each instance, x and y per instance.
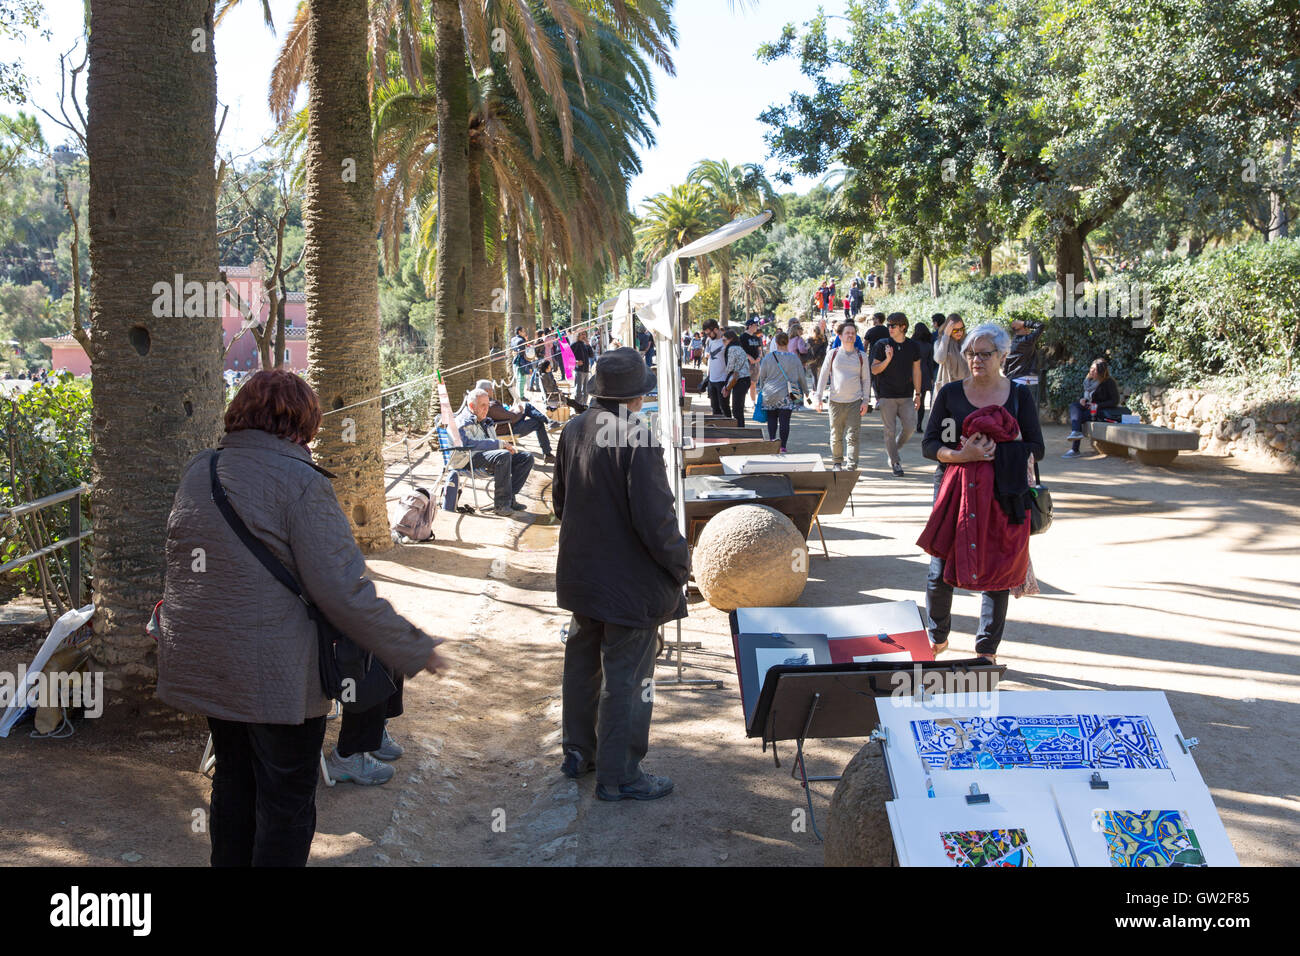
(238, 647)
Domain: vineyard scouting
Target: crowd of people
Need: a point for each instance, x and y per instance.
(258, 502)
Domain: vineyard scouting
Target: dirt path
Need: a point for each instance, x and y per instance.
(1181, 579)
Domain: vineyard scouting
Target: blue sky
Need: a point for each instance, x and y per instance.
(708, 110)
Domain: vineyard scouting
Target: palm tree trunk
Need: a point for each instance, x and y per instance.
(455, 342)
(481, 315)
(546, 299)
(156, 387)
(724, 302)
(342, 266)
(514, 291)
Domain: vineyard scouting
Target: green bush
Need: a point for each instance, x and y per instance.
(411, 409)
(45, 447)
(1232, 312)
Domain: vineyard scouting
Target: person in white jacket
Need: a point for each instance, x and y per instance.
(848, 375)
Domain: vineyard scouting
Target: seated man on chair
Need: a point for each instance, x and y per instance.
(509, 466)
(526, 421)
(554, 397)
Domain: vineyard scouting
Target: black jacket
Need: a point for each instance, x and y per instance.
(621, 558)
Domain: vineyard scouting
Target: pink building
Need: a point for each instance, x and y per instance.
(241, 350)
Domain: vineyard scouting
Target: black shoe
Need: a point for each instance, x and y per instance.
(549, 460)
(648, 787)
(574, 766)
(898, 471)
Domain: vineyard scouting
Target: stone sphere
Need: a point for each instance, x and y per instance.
(750, 556)
(857, 829)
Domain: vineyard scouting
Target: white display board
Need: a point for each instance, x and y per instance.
(887, 617)
(1123, 736)
(1144, 824)
(1013, 829)
(769, 464)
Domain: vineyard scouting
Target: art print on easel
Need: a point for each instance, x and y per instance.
(1011, 830)
(1152, 825)
(756, 654)
(1041, 741)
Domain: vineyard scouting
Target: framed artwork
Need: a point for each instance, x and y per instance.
(756, 654)
(1011, 830)
(858, 633)
(1145, 825)
(1029, 740)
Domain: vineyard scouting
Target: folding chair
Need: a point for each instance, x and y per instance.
(467, 471)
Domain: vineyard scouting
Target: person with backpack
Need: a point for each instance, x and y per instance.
(241, 648)
(519, 346)
(848, 377)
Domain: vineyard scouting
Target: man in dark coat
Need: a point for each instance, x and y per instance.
(621, 571)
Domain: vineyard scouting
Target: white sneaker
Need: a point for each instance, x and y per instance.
(1073, 454)
(1074, 436)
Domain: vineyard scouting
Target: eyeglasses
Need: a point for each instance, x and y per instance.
(982, 356)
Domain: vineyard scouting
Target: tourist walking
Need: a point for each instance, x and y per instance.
(783, 384)
(714, 347)
(978, 534)
(238, 646)
(896, 373)
(621, 571)
(583, 358)
(736, 369)
(922, 339)
(949, 364)
(846, 372)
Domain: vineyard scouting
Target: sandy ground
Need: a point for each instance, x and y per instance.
(1182, 579)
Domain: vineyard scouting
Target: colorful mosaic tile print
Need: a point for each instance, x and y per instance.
(1149, 838)
(1057, 742)
(988, 848)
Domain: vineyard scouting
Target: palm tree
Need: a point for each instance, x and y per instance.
(157, 379)
(675, 219)
(756, 285)
(342, 265)
(737, 192)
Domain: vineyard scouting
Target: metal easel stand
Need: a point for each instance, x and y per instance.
(679, 681)
(802, 775)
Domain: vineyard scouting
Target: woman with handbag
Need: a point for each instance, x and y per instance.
(782, 385)
(984, 507)
(260, 563)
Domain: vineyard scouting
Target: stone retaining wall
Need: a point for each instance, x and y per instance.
(1229, 426)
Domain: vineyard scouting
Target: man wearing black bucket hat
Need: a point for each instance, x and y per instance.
(621, 571)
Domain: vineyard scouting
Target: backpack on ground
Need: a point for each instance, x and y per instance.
(418, 513)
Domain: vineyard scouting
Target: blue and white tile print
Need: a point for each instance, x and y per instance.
(1047, 741)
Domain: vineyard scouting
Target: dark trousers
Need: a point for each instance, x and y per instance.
(738, 395)
(608, 696)
(938, 603)
(920, 412)
(717, 403)
(534, 423)
(363, 731)
(779, 418)
(264, 792)
(509, 472)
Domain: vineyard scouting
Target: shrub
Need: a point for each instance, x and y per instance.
(45, 447)
(412, 408)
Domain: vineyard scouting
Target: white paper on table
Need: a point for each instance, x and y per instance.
(63, 627)
(1079, 807)
(850, 620)
(923, 823)
(910, 773)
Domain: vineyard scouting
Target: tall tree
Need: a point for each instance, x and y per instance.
(157, 377)
(674, 219)
(737, 191)
(341, 261)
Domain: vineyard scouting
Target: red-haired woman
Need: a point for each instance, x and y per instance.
(238, 647)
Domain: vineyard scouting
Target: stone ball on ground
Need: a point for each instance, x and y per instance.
(750, 556)
(857, 830)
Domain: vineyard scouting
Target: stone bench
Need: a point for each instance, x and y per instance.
(1152, 444)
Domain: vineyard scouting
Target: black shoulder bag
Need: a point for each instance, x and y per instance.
(1040, 507)
(348, 673)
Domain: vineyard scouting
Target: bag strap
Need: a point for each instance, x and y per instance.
(259, 550)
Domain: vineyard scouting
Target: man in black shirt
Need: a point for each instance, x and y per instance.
(752, 343)
(896, 374)
(877, 330)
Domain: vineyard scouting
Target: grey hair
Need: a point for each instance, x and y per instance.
(483, 385)
(474, 394)
(988, 330)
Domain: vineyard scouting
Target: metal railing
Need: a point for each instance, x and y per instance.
(72, 540)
